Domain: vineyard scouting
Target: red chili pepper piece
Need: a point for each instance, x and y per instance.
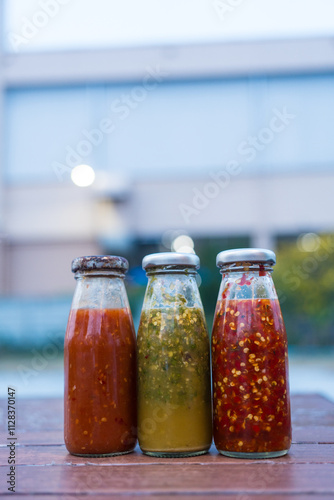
(245, 281)
(262, 271)
(224, 295)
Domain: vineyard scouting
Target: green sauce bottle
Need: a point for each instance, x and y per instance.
(173, 349)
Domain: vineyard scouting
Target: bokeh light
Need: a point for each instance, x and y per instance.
(308, 242)
(83, 175)
(183, 244)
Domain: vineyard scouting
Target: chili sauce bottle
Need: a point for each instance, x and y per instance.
(100, 361)
(251, 402)
(173, 352)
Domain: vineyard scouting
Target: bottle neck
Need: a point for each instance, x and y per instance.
(247, 267)
(99, 273)
(100, 289)
(171, 269)
(244, 280)
(172, 287)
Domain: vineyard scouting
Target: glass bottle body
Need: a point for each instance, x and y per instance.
(250, 366)
(174, 388)
(100, 368)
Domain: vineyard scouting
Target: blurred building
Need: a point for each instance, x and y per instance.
(211, 140)
(215, 140)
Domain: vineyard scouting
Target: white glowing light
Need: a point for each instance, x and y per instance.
(309, 242)
(83, 175)
(183, 244)
(185, 249)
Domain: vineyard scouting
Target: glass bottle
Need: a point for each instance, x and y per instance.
(100, 361)
(251, 401)
(173, 351)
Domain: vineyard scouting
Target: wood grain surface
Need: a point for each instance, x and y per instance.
(44, 469)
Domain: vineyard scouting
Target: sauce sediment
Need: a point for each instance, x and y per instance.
(100, 382)
(174, 403)
(250, 377)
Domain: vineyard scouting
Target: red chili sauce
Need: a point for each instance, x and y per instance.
(250, 377)
(100, 382)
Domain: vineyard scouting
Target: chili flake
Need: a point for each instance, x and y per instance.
(253, 414)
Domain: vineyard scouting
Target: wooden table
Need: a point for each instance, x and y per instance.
(44, 469)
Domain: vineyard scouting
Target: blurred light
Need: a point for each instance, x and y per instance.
(83, 175)
(185, 249)
(308, 242)
(183, 244)
(169, 236)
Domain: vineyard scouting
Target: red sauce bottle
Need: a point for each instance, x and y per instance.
(251, 399)
(100, 361)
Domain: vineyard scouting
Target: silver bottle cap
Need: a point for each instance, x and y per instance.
(260, 255)
(171, 259)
